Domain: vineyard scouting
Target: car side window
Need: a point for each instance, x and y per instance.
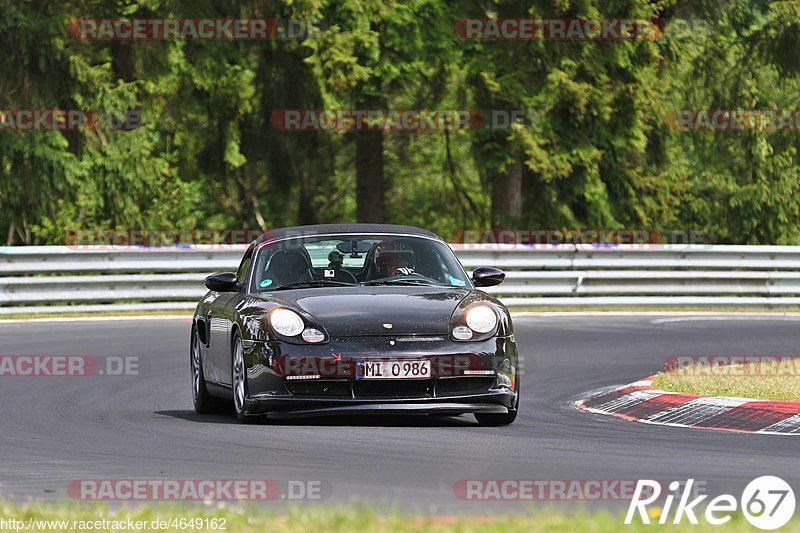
(244, 267)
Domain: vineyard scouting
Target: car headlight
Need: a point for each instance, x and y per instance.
(286, 322)
(481, 319)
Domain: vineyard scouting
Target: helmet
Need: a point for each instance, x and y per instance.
(336, 259)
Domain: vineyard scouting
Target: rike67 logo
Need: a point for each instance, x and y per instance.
(767, 502)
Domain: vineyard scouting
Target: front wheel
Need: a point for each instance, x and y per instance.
(496, 419)
(239, 379)
(203, 402)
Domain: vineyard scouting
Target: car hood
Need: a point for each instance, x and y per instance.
(363, 311)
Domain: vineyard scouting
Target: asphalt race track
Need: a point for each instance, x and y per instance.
(57, 429)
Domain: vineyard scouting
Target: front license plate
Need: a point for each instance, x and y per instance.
(394, 369)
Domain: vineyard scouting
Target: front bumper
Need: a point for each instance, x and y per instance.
(291, 407)
(478, 377)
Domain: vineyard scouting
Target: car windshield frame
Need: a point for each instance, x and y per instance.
(253, 284)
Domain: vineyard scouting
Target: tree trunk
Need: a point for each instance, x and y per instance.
(370, 179)
(507, 196)
(306, 212)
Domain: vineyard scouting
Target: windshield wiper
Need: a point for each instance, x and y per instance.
(314, 283)
(400, 281)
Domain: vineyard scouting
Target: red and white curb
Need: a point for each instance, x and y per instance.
(640, 402)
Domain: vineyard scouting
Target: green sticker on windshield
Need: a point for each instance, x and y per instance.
(456, 282)
(266, 283)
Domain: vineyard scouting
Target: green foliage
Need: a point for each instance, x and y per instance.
(597, 148)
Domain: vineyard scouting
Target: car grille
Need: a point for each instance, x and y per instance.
(456, 386)
(331, 389)
(390, 389)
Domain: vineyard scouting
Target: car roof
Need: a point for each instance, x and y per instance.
(325, 229)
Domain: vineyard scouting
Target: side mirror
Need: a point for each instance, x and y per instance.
(487, 276)
(223, 282)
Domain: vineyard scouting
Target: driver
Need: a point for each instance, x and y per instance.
(392, 263)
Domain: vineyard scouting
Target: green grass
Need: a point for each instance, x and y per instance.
(764, 381)
(303, 518)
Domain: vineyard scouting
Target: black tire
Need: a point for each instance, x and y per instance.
(203, 402)
(496, 419)
(239, 380)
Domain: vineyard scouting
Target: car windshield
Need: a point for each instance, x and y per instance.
(349, 260)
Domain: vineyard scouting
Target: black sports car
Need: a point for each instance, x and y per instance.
(360, 318)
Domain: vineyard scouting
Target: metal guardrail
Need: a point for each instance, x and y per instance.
(56, 279)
